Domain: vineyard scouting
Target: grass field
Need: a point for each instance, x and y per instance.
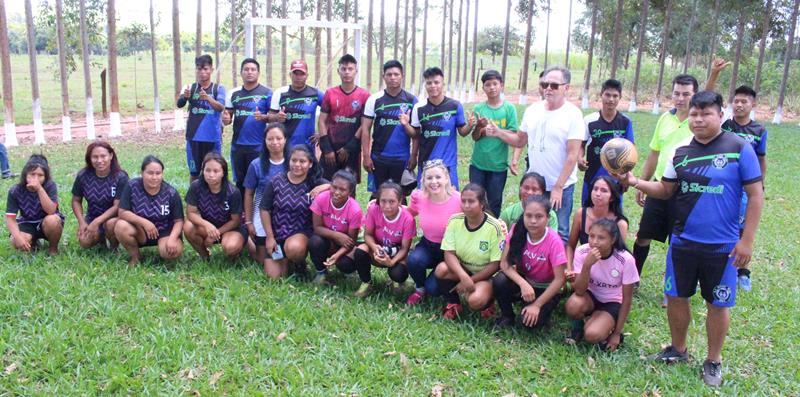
(83, 323)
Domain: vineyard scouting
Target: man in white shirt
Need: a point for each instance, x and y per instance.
(554, 131)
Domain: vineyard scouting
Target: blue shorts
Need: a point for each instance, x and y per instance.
(690, 263)
(196, 151)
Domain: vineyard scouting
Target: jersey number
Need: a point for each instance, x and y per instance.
(113, 191)
(164, 209)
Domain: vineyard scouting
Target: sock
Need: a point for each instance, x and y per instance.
(640, 253)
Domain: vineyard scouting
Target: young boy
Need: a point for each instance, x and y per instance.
(741, 124)
(490, 154)
(203, 127)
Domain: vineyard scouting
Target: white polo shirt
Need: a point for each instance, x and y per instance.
(548, 132)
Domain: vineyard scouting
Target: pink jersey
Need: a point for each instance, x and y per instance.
(540, 257)
(337, 219)
(390, 233)
(608, 275)
(433, 217)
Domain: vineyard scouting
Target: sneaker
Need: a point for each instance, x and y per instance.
(664, 302)
(10, 175)
(671, 355)
(712, 373)
(488, 312)
(744, 283)
(321, 279)
(504, 322)
(363, 290)
(452, 310)
(415, 298)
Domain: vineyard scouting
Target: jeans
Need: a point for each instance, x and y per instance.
(4, 167)
(494, 182)
(565, 211)
(425, 255)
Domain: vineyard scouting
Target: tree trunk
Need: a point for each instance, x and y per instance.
(255, 36)
(569, 35)
(115, 127)
(473, 76)
(714, 43)
(369, 47)
(396, 29)
(738, 57)
(588, 78)
(62, 69)
(318, 45)
(177, 124)
(234, 47)
(345, 36)
(762, 45)
(450, 44)
(547, 36)
(216, 37)
(466, 47)
(38, 126)
(787, 60)
(8, 96)
(504, 61)
(382, 42)
(329, 43)
(458, 48)
(414, 46)
(424, 47)
(284, 13)
(639, 53)
(268, 62)
(688, 51)
(526, 56)
(405, 36)
(87, 74)
(156, 104)
(615, 39)
(444, 33)
(662, 57)
(303, 31)
(198, 35)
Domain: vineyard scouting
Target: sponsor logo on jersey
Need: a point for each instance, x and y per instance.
(434, 133)
(695, 187)
(344, 119)
(385, 122)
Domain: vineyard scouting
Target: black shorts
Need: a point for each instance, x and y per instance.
(611, 308)
(241, 157)
(259, 241)
(154, 242)
(657, 220)
(690, 263)
(34, 229)
(195, 153)
(386, 169)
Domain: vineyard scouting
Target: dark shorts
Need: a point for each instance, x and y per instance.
(195, 153)
(34, 229)
(154, 242)
(241, 157)
(100, 230)
(690, 263)
(611, 308)
(385, 169)
(658, 219)
(260, 241)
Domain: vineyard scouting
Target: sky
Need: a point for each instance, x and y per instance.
(490, 14)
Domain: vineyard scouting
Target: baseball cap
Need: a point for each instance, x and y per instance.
(298, 64)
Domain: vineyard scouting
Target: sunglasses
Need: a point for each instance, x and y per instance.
(552, 86)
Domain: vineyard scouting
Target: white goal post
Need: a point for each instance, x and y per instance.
(251, 23)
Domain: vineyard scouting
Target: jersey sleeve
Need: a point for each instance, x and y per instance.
(577, 128)
(235, 201)
(220, 94)
(410, 228)
(415, 117)
(316, 205)
(320, 97)
(524, 124)
(325, 104)
(263, 104)
(496, 246)
(511, 116)
(413, 205)
(12, 206)
(761, 148)
(579, 257)
(191, 195)
(556, 254)
(629, 273)
(229, 100)
(268, 197)
(669, 172)
(461, 119)
(122, 181)
(449, 240)
(52, 191)
(251, 178)
(749, 168)
(356, 216)
(125, 197)
(369, 107)
(77, 186)
(629, 131)
(655, 142)
(176, 203)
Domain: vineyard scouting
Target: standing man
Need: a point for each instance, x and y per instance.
(247, 107)
(602, 127)
(340, 121)
(386, 151)
(435, 124)
(203, 126)
(296, 105)
(706, 176)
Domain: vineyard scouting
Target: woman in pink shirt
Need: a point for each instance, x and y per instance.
(388, 231)
(603, 287)
(337, 217)
(434, 204)
(532, 265)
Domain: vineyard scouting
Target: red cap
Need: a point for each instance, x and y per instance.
(299, 64)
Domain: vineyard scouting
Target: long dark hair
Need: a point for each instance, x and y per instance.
(115, 168)
(264, 156)
(518, 238)
(34, 162)
(615, 203)
(214, 156)
(481, 193)
(612, 229)
(314, 173)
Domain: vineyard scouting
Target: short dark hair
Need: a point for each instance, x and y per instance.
(203, 60)
(611, 84)
(685, 79)
(704, 99)
(347, 58)
(250, 60)
(346, 175)
(431, 72)
(491, 75)
(745, 90)
(392, 63)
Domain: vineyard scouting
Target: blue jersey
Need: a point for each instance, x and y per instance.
(753, 132)
(438, 126)
(389, 138)
(710, 179)
(243, 104)
(601, 131)
(204, 124)
(301, 111)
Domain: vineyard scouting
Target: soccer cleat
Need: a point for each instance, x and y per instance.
(671, 355)
(452, 310)
(488, 312)
(363, 290)
(415, 298)
(744, 283)
(712, 373)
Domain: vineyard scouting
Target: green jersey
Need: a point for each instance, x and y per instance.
(475, 248)
(668, 135)
(511, 214)
(489, 153)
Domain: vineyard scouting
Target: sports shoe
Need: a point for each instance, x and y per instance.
(504, 322)
(415, 298)
(363, 290)
(321, 279)
(712, 373)
(452, 310)
(671, 355)
(488, 312)
(744, 283)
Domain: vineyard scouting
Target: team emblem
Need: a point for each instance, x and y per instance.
(446, 116)
(597, 150)
(309, 101)
(403, 108)
(720, 161)
(749, 138)
(614, 273)
(483, 246)
(355, 104)
(722, 293)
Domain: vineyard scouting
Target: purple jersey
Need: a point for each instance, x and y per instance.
(289, 206)
(98, 192)
(162, 209)
(27, 203)
(215, 207)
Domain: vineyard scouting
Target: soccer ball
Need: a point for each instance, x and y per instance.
(618, 156)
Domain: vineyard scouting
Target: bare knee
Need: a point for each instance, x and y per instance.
(52, 224)
(576, 306)
(296, 249)
(231, 246)
(595, 334)
(441, 270)
(479, 299)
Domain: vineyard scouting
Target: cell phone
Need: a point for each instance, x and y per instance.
(278, 253)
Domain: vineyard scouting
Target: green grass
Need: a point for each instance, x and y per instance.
(83, 323)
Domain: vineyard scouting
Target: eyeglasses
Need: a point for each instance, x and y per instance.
(552, 86)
